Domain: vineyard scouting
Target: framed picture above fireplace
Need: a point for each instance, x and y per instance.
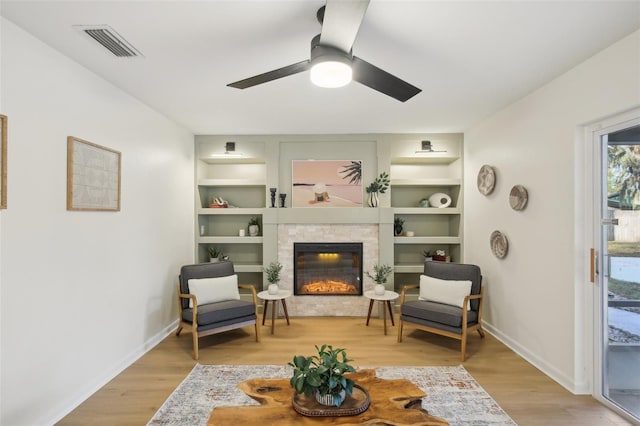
(326, 183)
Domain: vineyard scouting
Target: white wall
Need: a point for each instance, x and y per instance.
(534, 295)
(83, 294)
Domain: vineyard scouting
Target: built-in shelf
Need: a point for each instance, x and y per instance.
(426, 182)
(230, 240)
(232, 160)
(427, 210)
(427, 240)
(231, 211)
(230, 182)
(427, 158)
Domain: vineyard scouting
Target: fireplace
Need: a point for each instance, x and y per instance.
(321, 269)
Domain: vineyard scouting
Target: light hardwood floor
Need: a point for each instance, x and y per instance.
(526, 394)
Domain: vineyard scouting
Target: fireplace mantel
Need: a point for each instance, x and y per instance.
(328, 215)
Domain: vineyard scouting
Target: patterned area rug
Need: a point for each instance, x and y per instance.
(452, 393)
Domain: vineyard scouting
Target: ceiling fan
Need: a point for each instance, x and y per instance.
(331, 62)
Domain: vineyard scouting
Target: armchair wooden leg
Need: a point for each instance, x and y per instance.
(399, 330)
(463, 344)
(194, 333)
(257, 331)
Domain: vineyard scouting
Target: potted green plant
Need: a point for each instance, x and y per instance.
(379, 185)
(398, 224)
(273, 276)
(380, 274)
(428, 254)
(323, 375)
(254, 227)
(215, 253)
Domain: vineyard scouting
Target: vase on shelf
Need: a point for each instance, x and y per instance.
(373, 200)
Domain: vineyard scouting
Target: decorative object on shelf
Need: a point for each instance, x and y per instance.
(428, 255)
(3, 161)
(283, 198)
(424, 203)
(499, 244)
(326, 183)
(218, 203)
(440, 200)
(380, 274)
(441, 256)
(273, 272)
(93, 176)
(322, 375)
(254, 227)
(273, 196)
(398, 223)
(486, 179)
(215, 253)
(241, 232)
(201, 230)
(410, 233)
(518, 197)
(379, 185)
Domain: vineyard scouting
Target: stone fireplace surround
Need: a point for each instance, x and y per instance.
(327, 305)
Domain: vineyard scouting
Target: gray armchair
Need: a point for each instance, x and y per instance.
(220, 308)
(443, 318)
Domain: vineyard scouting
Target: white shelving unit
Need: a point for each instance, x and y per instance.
(416, 177)
(242, 183)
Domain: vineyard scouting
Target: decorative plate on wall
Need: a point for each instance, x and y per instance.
(486, 179)
(518, 197)
(499, 244)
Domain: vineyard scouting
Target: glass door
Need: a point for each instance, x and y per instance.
(620, 264)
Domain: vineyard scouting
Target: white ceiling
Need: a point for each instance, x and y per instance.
(470, 58)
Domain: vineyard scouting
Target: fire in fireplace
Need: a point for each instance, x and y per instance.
(327, 269)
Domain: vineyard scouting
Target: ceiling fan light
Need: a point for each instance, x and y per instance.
(331, 73)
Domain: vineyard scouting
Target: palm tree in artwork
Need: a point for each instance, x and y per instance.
(353, 172)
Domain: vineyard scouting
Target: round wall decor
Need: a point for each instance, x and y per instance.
(518, 197)
(499, 244)
(486, 179)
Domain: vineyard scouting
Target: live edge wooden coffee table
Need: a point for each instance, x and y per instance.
(393, 402)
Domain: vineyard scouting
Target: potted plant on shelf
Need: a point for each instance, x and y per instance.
(380, 275)
(322, 375)
(379, 185)
(428, 254)
(254, 227)
(273, 276)
(398, 224)
(215, 253)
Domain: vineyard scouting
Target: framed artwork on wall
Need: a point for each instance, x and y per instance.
(326, 183)
(3, 162)
(93, 176)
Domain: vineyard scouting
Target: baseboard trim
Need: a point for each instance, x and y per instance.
(116, 369)
(533, 359)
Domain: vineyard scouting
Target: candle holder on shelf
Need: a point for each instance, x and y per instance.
(273, 196)
(283, 197)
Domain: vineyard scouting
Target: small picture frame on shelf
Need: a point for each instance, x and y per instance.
(93, 176)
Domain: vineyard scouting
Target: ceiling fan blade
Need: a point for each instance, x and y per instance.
(380, 80)
(342, 19)
(271, 75)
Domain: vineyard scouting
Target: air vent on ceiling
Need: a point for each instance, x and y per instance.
(110, 40)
